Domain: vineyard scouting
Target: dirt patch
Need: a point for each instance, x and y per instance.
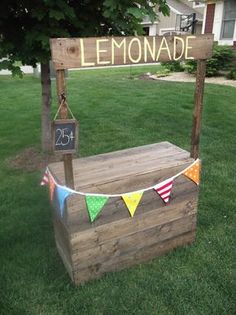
(31, 159)
(146, 76)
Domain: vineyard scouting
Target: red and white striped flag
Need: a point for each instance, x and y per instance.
(164, 189)
(45, 179)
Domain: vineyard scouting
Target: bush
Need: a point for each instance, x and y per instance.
(173, 66)
(232, 74)
(163, 73)
(221, 60)
(190, 66)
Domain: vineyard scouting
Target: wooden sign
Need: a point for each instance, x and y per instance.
(65, 135)
(109, 51)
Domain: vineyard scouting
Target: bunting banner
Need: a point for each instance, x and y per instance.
(44, 180)
(52, 185)
(95, 202)
(164, 189)
(62, 194)
(193, 172)
(95, 205)
(132, 201)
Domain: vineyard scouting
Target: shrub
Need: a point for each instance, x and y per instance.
(163, 73)
(190, 66)
(173, 66)
(221, 60)
(232, 74)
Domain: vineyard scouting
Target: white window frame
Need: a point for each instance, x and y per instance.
(166, 30)
(222, 23)
(199, 5)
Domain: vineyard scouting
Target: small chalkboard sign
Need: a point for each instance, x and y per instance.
(65, 135)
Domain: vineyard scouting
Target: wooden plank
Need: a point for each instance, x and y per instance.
(65, 260)
(123, 163)
(109, 51)
(198, 101)
(62, 237)
(98, 235)
(138, 256)
(121, 183)
(119, 172)
(127, 156)
(114, 249)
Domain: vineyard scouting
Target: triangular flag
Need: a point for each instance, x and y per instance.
(44, 180)
(62, 194)
(94, 205)
(193, 172)
(132, 200)
(164, 189)
(51, 187)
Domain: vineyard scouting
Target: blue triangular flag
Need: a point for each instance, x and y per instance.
(62, 194)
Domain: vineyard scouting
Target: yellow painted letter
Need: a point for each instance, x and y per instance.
(148, 47)
(99, 51)
(180, 50)
(118, 45)
(83, 63)
(163, 41)
(188, 47)
(139, 50)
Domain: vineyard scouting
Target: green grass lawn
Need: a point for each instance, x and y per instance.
(117, 112)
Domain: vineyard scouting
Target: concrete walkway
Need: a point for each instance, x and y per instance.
(186, 77)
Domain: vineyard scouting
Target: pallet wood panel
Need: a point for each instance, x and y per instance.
(117, 247)
(147, 253)
(115, 240)
(98, 235)
(124, 163)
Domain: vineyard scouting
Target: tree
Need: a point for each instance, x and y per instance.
(27, 25)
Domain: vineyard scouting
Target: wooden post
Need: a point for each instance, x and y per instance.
(198, 104)
(67, 158)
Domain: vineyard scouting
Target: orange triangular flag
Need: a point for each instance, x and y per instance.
(51, 187)
(193, 172)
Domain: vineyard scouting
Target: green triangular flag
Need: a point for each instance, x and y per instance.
(94, 205)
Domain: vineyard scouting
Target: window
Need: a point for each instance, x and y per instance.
(146, 31)
(198, 4)
(229, 18)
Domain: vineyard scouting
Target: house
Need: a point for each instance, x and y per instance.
(185, 16)
(220, 19)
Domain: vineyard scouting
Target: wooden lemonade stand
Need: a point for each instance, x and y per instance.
(116, 240)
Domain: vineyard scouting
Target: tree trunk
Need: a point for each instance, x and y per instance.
(46, 108)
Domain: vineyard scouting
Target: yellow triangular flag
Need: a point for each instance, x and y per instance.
(193, 172)
(132, 201)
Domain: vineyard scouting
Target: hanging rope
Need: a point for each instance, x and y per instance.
(63, 103)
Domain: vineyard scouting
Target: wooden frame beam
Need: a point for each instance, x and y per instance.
(198, 106)
(67, 158)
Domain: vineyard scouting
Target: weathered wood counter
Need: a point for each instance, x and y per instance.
(115, 240)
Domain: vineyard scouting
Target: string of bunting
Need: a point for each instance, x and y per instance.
(95, 202)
